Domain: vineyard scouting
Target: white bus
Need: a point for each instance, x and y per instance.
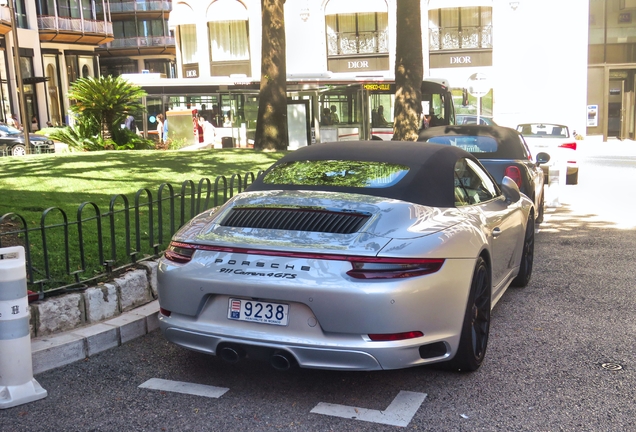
(319, 109)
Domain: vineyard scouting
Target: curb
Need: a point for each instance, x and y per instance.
(50, 352)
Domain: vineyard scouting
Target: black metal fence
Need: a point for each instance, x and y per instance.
(63, 254)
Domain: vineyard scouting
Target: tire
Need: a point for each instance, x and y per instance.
(18, 150)
(540, 210)
(527, 258)
(572, 179)
(476, 326)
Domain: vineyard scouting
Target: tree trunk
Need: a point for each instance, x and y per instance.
(271, 126)
(409, 71)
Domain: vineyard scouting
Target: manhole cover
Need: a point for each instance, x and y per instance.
(612, 366)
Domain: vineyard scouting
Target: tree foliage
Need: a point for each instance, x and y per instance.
(108, 101)
(271, 126)
(409, 71)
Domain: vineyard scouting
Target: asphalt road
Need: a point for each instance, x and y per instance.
(561, 355)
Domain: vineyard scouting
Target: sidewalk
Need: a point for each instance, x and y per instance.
(60, 349)
(593, 145)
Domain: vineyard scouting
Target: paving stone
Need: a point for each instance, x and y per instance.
(134, 290)
(152, 270)
(55, 351)
(101, 303)
(130, 326)
(59, 314)
(98, 337)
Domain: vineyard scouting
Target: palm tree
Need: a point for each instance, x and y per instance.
(271, 125)
(409, 71)
(107, 99)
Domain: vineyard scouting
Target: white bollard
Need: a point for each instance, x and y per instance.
(17, 385)
(556, 182)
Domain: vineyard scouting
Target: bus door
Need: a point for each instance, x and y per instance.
(340, 114)
(439, 101)
(380, 102)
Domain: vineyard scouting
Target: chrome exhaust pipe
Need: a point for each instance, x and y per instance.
(230, 355)
(280, 361)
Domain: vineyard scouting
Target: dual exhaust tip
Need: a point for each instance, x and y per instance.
(279, 360)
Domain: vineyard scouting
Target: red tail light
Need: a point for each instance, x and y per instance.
(571, 145)
(392, 268)
(514, 173)
(363, 267)
(395, 336)
(165, 312)
(180, 253)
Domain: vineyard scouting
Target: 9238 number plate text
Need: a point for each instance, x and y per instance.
(257, 311)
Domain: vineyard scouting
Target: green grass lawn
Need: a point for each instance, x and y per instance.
(30, 185)
(34, 183)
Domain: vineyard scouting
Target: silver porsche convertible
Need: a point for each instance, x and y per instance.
(351, 256)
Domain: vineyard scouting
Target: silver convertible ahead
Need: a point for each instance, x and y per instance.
(351, 256)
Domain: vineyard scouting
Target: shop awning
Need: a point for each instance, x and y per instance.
(226, 10)
(355, 6)
(34, 80)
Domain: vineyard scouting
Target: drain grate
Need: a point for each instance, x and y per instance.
(612, 366)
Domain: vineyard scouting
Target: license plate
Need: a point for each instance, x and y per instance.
(257, 311)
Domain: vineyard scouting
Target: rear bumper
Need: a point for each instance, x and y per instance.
(351, 353)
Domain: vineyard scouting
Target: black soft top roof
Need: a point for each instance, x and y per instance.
(510, 144)
(430, 180)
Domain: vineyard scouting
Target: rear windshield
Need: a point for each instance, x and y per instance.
(358, 174)
(472, 144)
(543, 129)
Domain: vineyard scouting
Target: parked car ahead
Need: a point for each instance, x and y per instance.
(12, 142)
(464, 119)
(554, 139)
(502, 151)
(364, 256)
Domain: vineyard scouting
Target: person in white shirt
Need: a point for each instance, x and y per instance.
(209, 131)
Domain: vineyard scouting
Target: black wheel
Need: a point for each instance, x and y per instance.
(573, 178)
(18, 150)
(540, 209)
(527, 257)
(476, 327)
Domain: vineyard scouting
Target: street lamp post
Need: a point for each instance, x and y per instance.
(19, 84)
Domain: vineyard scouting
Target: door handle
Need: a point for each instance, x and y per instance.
(496, 232)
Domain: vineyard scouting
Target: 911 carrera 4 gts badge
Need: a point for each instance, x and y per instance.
(261, 274)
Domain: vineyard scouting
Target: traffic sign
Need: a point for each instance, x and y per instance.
(478, 85)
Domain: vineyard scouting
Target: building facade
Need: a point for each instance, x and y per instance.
(57, 41)
(611, 107)
(537, 71)
(142, 40)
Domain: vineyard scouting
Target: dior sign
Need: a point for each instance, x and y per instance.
(361, 64)
(461, 60)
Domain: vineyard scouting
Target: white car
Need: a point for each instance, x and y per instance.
(555, 140)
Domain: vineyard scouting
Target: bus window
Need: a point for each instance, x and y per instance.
(381, 106)
(437, 110)
(342, 107)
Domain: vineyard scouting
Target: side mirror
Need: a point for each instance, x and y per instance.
(543, 158)
(510, 190)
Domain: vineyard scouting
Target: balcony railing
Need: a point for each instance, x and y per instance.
(137, 6)
(360, 43)
(75, 25)
(150, 41)
(464, 38)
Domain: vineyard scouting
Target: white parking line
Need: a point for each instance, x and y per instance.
(184, 387)
(399, 413)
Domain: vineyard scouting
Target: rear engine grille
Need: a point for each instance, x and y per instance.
(296, 220)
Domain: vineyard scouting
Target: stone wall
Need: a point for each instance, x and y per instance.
(133, 289)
